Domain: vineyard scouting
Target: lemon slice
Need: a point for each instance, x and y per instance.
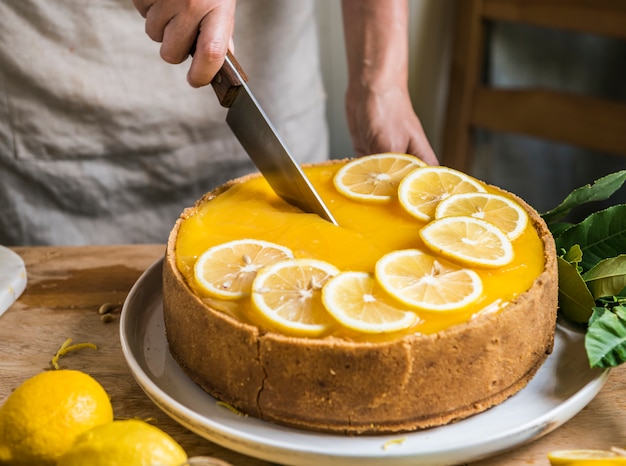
(503, 212)
(358, 302)
(421, 190)
(468, 240)
(585, 458)
(226, 271)
(375, 178)
(425, 282)
(289, 295)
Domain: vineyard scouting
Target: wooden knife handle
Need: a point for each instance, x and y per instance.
(228, 80)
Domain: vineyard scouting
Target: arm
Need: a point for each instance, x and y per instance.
(378, 106)
(178, 25)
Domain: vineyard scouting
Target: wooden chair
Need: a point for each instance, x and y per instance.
(589, 122)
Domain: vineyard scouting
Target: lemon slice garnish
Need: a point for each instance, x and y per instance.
(503, 212)
(375, 178)
(468, 240)
(226, 271)
(585, 458)
(425, 282)
(421, 190)
(289, 295)
(358, 302)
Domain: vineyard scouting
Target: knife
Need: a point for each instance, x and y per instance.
(260, 140)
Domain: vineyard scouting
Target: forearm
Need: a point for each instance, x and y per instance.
(376, 38)
(379, 111)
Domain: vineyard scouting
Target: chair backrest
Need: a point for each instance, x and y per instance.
(590, 122)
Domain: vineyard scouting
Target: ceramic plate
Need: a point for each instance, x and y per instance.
(561, 388)
(12, 278)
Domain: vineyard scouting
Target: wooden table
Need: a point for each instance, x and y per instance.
(66, 287)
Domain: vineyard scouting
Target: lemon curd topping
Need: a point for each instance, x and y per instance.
(367, 231)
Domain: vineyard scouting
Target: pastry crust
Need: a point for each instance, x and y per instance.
(337, 385)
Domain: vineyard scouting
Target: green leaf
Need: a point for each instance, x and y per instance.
(575, 300)
(601, 235)
(609, 302)
(605, 341)
(607, 277)
(600, 190)
(559, 227)
(574, 255)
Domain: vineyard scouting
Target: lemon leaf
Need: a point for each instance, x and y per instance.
(575, 300)
(595, 248)
(600, 236)
(600, 190)
(607, 277)
(574, 255)
(605, 341)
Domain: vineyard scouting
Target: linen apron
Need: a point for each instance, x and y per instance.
(103, 142)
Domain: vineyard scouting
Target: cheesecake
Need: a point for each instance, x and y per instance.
(443, 367)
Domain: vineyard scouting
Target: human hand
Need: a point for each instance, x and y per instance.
(179, 24)
(386, 122)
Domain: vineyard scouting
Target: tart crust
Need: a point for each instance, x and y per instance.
(341, 386)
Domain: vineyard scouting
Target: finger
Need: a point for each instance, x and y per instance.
(423, 151)
(179, 35)
(216, 30)
(360, 145)
(142, 6)
(158, 17)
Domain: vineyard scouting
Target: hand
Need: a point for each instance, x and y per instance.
(179, 24)
(385, 122)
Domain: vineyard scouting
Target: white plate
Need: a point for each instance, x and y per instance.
(561, 388)
(12, 278)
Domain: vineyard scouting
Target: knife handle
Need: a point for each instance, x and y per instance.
(228, 80)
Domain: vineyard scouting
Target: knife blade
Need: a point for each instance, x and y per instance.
(262, 143)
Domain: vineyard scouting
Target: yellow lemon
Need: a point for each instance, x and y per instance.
(586, 458)
(226, 271)
(421, 190)
(424, 282)
(358, 302)
(41, 418)
(288, 294)
(503, 212)
(374, 178)
(124, 443)
(468, 240)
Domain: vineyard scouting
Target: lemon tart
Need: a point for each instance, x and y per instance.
(423, 356)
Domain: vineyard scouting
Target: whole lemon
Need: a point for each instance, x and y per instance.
(124, 443)
(41, 418)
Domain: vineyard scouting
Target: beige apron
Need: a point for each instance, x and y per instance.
(103, 142)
